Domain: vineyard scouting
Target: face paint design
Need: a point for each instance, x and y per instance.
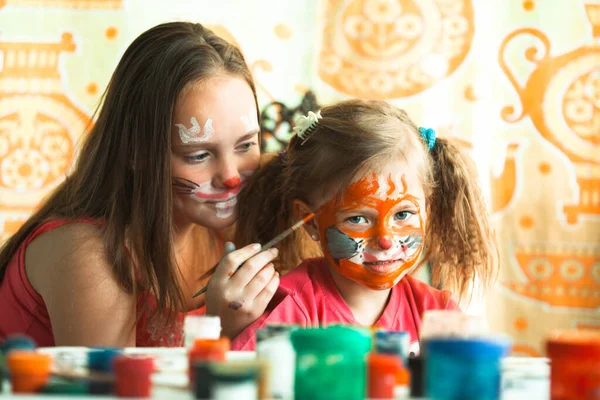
(193, 134)
(376, 245)
(224, 199)
(250, 121)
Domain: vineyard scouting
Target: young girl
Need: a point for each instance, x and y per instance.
(387, 197)
(116, 252)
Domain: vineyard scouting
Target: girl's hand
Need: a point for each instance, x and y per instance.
(240, 296)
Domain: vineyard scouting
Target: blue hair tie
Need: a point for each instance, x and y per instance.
(428, 135)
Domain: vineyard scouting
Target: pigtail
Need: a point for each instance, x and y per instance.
(460, 242)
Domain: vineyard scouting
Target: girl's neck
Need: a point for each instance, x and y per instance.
(366, 304)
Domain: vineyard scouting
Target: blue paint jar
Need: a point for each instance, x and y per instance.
(394, 343)
(17, 342)
(100, 360)
(464, 368)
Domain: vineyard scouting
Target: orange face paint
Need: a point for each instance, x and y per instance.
(382, 245)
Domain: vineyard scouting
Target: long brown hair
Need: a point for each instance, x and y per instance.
(350, 136)
(123, 172)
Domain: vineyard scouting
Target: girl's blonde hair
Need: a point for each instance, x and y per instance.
(352, 137)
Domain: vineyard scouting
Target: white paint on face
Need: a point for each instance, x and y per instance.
(193, 134)
(224, 199)
(250, 121)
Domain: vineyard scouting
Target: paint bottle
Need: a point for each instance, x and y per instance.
(58, 386)
(574, 365)
(464, 368)
(525, 378)
(237, 380)
(203, 380)
(203, 350)
(416, 368)
(382, 375)
(17, 342)
(274, 347)
(395, 343)
(330, 362)
(133, 376)
(101, 361)
(29, 371)
(201, 327)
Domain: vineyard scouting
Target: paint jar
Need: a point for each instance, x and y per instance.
(29, 371)
(394, 343)
(204, 350)
(203, 380)
(17, 342)
(274, 347)
(133, 376)
(101, 361)
(574, 365)
(234, 381)
(464, 368)
(382, 375)
(58, 386)
(330, 362)
(417, 375)
(525, 378)
(201, 327)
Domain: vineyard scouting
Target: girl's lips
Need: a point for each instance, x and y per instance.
(383, 266)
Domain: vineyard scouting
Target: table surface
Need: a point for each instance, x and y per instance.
(522, 378)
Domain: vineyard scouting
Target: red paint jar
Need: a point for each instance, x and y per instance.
(133, 376)
(207, 350)
(574, 365)
(29, 371)
(382, 375)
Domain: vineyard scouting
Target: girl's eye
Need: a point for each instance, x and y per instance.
(357, 219)
(402, 215)
(246, 146)
(196, 158)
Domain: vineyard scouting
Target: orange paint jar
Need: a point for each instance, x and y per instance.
(29, 371)
(382, 375)
(574, 365)
(207, 350)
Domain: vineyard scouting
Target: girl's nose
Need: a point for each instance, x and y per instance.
(232, 183)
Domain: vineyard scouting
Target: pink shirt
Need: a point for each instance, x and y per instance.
(307, 296)
(23, 310)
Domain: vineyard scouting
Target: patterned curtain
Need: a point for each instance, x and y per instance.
(517, 82)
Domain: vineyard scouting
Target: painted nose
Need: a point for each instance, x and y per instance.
(384, 243)
(232, 183)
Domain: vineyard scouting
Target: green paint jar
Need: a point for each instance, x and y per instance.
(331, 362)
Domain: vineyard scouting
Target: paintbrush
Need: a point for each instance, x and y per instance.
(271, 243)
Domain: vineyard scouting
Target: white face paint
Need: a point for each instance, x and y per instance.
(250, 120)
(195, 134)
(224, 199)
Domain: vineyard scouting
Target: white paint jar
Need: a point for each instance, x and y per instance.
(201, 327)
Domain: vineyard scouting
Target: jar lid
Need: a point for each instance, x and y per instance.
(101, 359)
(493, 346)
(17, 342)
(333, 338)
(384, 361)
(578, 343)
(222, 344)
(275, 330)
(133, 364)
(24, 361)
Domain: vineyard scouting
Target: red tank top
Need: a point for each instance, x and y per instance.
(22, 309)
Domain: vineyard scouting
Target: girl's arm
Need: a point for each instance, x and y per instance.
(68, 267)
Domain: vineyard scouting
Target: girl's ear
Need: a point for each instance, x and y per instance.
(301, 210)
